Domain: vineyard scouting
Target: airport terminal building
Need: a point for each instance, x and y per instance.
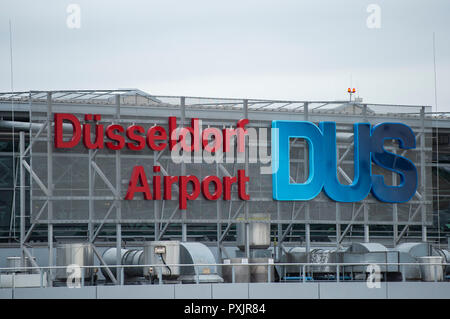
(124, 193)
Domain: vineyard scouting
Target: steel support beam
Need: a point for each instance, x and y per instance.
(246, 204)
(91, 195)
(118, 202)
(307, 206)
(423, 173)
(50, 186)
(183, 170)
(30, 257)
(407, 226)
(94, 235)
(41, 129)
(230, 223)
(36, 178)
(338, 225)
(308, 241)
(103, 263)
(22, 193)
(279, 233)
(30, 230)
(219, 205)
(100, 173)
(163, 231)
(294, 217)
(347, 229)
(156, 203)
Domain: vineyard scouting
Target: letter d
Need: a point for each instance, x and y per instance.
(283, 188)
(59, 130)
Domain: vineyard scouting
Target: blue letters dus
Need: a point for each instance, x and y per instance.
(368, 148)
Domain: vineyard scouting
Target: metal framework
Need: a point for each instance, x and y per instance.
(133, 106)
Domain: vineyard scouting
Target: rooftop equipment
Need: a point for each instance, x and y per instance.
(247, 271)
(260, 273)
(298, 255)
(236, 273)
(80, 254)
(409, 253)
(431, 268)
(197, 253)
(370, 253)
(259, 231)
(20, 265)
(446, 255)
(128, 257)
(325, 257)
(292, 255)
(163, 253)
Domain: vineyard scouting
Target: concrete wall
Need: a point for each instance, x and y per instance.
(322, 290)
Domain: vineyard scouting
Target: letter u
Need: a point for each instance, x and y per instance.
(98, 136)
(360, 187)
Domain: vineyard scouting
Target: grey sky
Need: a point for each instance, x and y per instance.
(259, 49)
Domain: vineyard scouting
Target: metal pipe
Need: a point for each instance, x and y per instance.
(27, 126)
(128, 257)
(308, 241)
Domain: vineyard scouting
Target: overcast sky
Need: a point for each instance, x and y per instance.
(304, 50)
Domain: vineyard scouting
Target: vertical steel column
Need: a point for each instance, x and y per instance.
(118, 204)
(30, 154)
(246, 206)
(422, 174)
(156, 202)
(279, 233)
(338, 224)
(395, 208)
(366, 223)
(183, 169)
(366, 229)
(91, 195)
(219, 203)
(50, 186)
(366, 206)
(338, 211)
(308, 240)
(395, 226)
(306, 171)
(22, 195)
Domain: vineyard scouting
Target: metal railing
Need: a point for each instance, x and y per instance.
(342, 272)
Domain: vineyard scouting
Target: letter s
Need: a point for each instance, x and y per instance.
(396, 163)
